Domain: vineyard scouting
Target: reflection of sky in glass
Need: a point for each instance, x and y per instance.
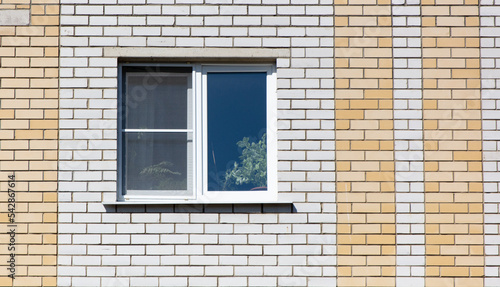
(236, 109)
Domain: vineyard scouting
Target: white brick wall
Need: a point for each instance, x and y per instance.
(196, 245)
(490, 83)
(408, 135)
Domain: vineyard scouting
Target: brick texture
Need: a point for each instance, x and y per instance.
(197, 245)
(29, 133)
(452, 144)
(388, 144)
(490, 77)
(365, 144)
(408, 144)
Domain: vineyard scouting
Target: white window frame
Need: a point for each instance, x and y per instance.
(199, 109)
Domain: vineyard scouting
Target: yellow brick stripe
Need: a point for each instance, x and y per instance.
(453, 179)
(364, 146)
(28, 142)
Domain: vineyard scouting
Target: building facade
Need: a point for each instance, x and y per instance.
(381, 121)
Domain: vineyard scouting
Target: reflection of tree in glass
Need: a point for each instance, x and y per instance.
(164, 177)
(252, 168)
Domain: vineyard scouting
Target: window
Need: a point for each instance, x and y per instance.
(197, 133)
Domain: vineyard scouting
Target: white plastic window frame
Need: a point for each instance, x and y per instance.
(200, 179)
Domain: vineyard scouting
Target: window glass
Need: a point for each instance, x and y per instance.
(236, 129)
(157, 135)
(157, 161)
(196, 133)
(156, 101)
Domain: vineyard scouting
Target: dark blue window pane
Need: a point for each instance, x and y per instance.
(236, 131)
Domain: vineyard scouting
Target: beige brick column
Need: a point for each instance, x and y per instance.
(452, 143)
(28, 138)
(365, 143)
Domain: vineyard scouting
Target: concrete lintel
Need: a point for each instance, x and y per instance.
(197, 53)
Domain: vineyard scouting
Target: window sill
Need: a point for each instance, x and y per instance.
(166, 202)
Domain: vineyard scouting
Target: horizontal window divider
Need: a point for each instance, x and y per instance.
(158, 131)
